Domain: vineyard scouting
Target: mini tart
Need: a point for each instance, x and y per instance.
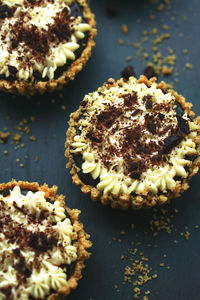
(43, 43)
(133, 143)
(43, 244)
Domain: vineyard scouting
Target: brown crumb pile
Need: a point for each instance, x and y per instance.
(162, 221)
(138, 273)
(139, 268)
(151, 47)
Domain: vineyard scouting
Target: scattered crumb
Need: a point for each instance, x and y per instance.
(63, 107)
(162, 264)
(188, 66)
(152, 17)
(17, 137)
(123, 232)
(124, 29)
(32, 138)
(132, 227)
(32, 118)
(185, 51)
(160, 7)
(187, 235)
(128, 58)
(166, 70)
(4, 136)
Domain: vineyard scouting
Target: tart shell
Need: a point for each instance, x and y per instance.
(28, 89)
(81, 240)
(124, 201)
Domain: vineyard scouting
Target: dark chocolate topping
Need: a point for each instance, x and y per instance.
(86, 178)
(163, 134)
(172, 141)
(5, 11)
(183, 125)
(5, 192)
(107, 118)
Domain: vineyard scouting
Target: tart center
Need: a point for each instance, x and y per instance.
(135, 131)
(38, 36)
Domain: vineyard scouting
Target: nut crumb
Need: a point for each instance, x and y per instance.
(124, 29)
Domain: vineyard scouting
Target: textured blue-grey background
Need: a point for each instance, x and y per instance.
(105, 269)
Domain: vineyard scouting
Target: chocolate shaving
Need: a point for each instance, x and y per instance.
(8, 292)
(94, 138)
(161, 116)
(107, 118)
(183, 125)
(5, 12)
(148, 104)
(12, 70)
(172, 141)
(144, 149)
(135, 112)
(130, 99)
(21, 267)
(133, 166)
(152, 128)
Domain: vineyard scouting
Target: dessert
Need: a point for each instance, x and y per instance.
(133, 143)
(43, 244)
(43, 43)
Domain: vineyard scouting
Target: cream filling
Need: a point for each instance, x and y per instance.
(155, 177)
(49, 275)
(40, 16)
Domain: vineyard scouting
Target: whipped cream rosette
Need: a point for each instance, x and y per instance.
(43, 43)
(43, 244)
(133, 143)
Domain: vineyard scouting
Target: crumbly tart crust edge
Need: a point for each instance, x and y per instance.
(22, 87)
(82, 242)
(139, 201)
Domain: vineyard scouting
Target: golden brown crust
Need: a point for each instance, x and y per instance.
(80, 237)
(138, 201)
(29, 89)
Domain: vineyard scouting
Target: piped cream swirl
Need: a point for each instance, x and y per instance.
(27, 271)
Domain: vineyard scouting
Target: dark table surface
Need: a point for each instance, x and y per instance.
(43, 160)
